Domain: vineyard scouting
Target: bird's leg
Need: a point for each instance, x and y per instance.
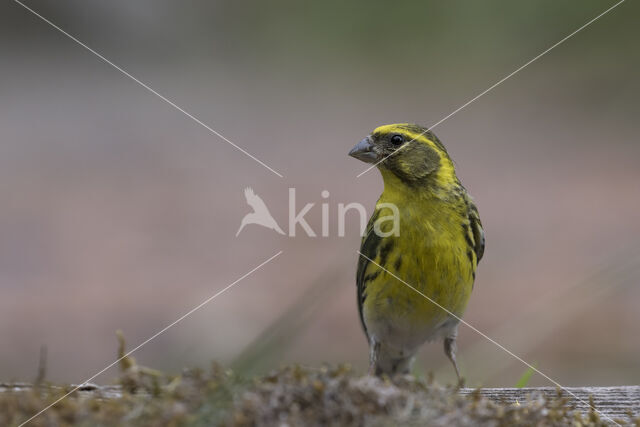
(374, 350)
(450, 351)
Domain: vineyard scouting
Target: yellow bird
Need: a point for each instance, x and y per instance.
(434, 248)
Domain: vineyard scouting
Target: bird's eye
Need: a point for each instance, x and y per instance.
(397, 140)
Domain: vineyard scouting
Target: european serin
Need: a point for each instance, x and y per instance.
(436, 251)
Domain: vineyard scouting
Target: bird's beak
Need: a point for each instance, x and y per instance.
(364, 151)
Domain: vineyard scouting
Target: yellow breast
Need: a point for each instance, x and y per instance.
(431, 255)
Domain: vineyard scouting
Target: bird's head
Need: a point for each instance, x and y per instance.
(408, 152)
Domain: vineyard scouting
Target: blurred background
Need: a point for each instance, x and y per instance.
(119, 212)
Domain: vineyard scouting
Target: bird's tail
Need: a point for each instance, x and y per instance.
(277, 228)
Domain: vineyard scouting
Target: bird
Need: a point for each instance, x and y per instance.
(260, 215)
(436, 250)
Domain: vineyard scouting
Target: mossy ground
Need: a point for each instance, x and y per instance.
(289, 396)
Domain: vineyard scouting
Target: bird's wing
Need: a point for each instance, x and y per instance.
(476, 229)
(254, 200)
(369, 248)
(249, 194)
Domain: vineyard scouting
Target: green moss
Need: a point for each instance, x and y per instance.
(292, 395)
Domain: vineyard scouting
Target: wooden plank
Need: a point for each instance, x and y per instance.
(612, 402)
